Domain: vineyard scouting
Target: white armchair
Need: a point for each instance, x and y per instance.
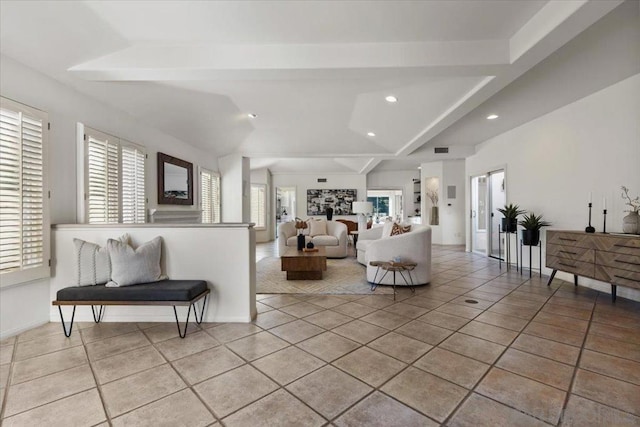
(334, 242)
(414, 246)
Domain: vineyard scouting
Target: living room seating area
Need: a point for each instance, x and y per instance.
(330, 234)
(414, 245)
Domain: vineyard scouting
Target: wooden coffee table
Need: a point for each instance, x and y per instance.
(301, 265)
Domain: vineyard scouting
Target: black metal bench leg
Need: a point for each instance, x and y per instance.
(64, 328)
(186, 323)
(195, 312)
(614, 288)
(97, 317)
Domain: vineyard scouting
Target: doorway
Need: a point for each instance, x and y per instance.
(487, 195)
(386, 203)
(285, 204)
(479, 221)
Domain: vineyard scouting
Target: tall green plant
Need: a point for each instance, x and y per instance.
(511, 211)
(533, 222)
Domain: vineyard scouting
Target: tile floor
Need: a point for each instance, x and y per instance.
(525, 354)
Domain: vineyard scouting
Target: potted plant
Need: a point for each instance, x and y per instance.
(510, 220)
(532, 224)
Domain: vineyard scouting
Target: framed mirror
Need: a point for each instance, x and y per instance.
(175, 181)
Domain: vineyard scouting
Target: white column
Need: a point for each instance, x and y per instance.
(235, 188)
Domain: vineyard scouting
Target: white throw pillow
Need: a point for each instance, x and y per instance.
(134, 266)
(94, 265)
(318, 228)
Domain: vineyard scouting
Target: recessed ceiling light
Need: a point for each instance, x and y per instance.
(391, 99)
(252, 116)
(371, 134)
(492, 117)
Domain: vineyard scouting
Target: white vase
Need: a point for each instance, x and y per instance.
(630, 223)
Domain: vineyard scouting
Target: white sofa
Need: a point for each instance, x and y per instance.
(413, 246)
(334, 242)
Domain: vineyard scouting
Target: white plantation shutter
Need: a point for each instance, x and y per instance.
(205, 196)
(133, 194)
(24, 223)
(258, 205)
(210, 196)
(114, 177)
(215, 198)
(103, 167)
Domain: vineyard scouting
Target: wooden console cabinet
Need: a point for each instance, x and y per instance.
(610, 258)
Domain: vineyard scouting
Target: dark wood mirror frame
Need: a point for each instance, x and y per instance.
(163, 198)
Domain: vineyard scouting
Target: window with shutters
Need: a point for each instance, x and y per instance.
(114, 183)
(24, 215)
(210, 196)
(258, 205)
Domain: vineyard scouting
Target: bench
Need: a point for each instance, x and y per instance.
(164, 292)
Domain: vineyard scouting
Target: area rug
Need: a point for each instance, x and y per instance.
(343, 276)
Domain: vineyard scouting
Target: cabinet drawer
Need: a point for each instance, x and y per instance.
(576, 239)
(570, 252)
(620, 245)
(617, 276)
(619, 261)
(579, 268)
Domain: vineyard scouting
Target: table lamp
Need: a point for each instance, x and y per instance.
(362, 209)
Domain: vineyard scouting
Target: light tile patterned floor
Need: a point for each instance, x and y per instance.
(524, 354)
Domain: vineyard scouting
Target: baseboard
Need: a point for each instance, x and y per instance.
(16, 331)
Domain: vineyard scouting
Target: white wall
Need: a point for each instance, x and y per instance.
(452, 211)
(304, 182)
(554, 161)
(451, 228)
(26, 305)
(66, 107)
(189, 252)
(400, 180)
(23, 307)
(235, 186)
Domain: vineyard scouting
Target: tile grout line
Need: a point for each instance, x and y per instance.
(493, 365)
(387, 332)
(188, 386)
(3, 404)
(577, 365)
(582, 348)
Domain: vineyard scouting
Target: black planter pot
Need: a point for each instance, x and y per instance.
(300, 241)
(509, 226)
(530, 237)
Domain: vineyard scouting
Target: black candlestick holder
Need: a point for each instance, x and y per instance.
(589, 228)
(604, 224)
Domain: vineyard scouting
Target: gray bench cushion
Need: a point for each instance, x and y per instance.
(164, 290)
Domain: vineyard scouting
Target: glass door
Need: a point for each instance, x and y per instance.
(479, 197)
(487, 195)
(497, 199)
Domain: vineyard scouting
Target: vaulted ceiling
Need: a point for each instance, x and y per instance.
(315, 73)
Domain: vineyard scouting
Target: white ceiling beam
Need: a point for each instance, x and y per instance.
(563, 23)
(552, 16)
(197, 62)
